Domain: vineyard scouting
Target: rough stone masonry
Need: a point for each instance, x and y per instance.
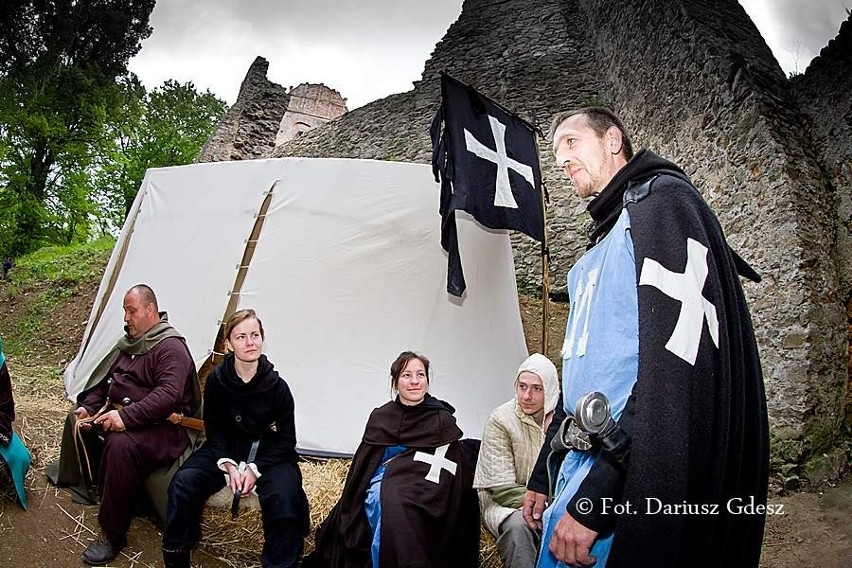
(695, 82)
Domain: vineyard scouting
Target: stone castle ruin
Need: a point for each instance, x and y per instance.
(310, 106)
(267, 115)
(696, 83)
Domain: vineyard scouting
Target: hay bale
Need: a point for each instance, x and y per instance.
(239, 543)
(223, 498)
(323, 484)
(489, 557)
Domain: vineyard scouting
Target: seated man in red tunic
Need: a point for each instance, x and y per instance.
(123, 416)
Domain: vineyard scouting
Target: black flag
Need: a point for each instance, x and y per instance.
(486, 159)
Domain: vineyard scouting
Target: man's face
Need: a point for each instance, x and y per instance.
(586, 159)
(139, 317)
(530, 393)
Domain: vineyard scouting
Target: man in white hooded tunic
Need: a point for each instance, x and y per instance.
(511, 441)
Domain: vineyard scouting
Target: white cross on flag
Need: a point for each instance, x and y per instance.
(487, 159)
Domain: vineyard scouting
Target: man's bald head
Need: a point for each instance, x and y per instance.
(146, 294)
(141, 312)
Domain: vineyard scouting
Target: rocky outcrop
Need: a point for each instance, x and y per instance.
(249, 128)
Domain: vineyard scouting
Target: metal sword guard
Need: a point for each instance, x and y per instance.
(593, 413)
(594, 416)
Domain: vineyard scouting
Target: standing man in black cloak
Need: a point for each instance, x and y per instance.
(660, 326)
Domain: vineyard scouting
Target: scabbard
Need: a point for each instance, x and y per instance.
(235, 506)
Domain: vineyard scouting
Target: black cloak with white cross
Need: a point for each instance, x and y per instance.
(430, 512)
(697, 414)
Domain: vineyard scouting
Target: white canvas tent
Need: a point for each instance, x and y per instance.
(347, 272)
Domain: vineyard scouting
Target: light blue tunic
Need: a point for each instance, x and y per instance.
(600, 353)
(373, 501)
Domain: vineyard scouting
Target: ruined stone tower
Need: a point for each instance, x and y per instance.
(696, 83)
(248, 129)
(310, 106)
(266, 115)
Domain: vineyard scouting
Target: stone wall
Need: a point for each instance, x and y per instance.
(695, 82)
(311, 105)
(248, 129)
(823, 92)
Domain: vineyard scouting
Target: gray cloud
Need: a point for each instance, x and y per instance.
(812, 22)
(368, 49)
(321, 21)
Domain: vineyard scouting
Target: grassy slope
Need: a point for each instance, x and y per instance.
(44, 303)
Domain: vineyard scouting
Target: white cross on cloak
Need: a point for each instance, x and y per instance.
(437, 462)
(503, 192)
(686, 288)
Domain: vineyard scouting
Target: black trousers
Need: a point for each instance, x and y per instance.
(283, 506)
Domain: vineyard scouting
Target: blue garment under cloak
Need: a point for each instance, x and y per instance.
(373, 500)
(600, 353)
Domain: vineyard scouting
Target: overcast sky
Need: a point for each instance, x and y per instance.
(368, 49)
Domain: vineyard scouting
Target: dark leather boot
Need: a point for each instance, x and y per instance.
(103, 549)
(176, 559)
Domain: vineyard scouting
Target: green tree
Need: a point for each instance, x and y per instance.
(110, 172)
(165, 127)
(59, 60)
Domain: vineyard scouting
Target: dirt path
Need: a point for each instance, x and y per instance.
(55, 531)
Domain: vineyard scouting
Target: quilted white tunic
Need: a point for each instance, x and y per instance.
(511, 442)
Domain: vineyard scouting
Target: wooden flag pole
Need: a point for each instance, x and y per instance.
(545, 285)
(545, 267)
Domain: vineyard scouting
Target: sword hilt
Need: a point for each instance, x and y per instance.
(594, 416)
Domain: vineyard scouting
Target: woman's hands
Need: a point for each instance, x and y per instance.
(240, 482)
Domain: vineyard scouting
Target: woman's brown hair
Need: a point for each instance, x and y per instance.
(239, 317)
